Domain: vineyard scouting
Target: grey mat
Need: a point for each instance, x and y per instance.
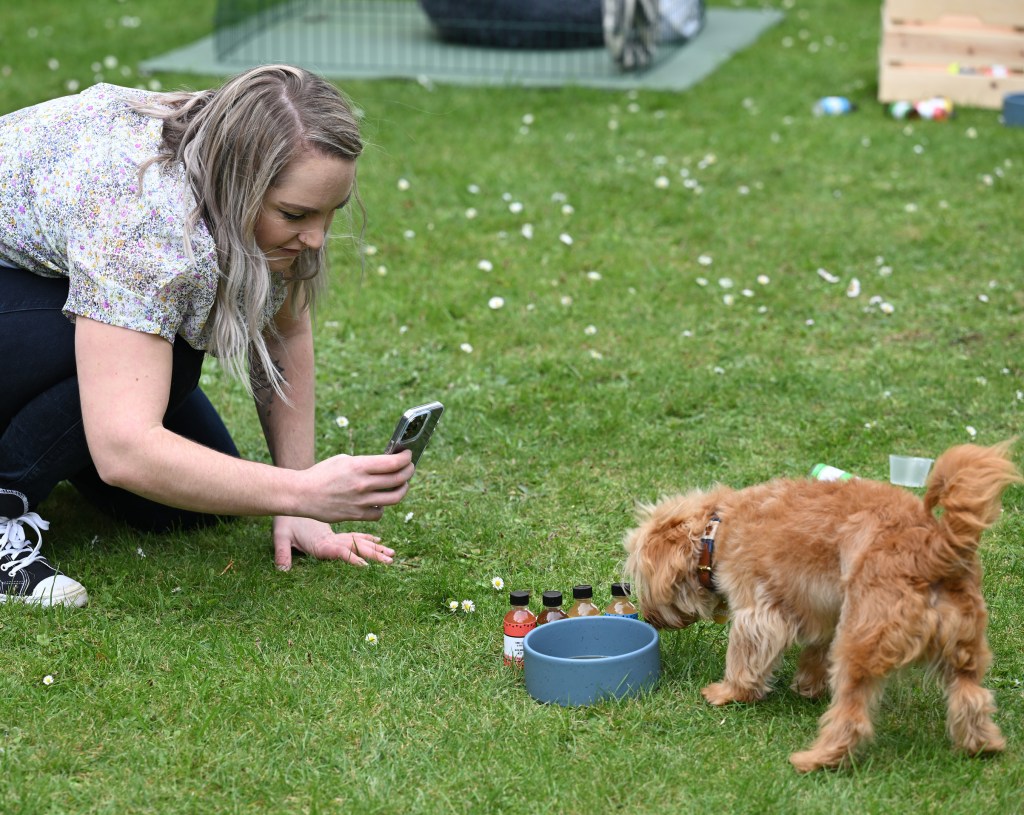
(373, 39)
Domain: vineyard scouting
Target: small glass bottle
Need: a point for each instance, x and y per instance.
(620, 606)
(552, 608)
(583, 606)
(519, 621)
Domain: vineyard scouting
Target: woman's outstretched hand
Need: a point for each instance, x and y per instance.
(319, 540)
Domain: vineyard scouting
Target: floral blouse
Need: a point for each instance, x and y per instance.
(71, 205)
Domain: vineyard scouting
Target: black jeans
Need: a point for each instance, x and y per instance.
(42, 441)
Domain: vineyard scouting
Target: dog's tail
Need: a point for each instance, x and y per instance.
(968, 482)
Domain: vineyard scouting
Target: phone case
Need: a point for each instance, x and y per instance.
(415, 428)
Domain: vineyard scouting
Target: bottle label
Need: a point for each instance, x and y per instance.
(824, 472)
(634, 616)
(513, 651)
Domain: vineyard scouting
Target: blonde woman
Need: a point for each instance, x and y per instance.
(138, 232)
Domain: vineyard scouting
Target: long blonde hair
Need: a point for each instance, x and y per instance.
(234, 143)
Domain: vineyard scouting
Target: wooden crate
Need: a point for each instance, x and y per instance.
(970, 51)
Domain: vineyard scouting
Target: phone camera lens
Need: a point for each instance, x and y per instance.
(414, 427)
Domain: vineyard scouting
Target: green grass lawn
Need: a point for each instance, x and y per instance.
(688, 334)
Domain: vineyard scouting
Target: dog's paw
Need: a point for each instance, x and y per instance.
(810, 686)
(718, 693)
(984, 744)
(808, 761)
(722, 693)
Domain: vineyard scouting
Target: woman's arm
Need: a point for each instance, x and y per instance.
(289, 425)
(124, 380)
(291, 437)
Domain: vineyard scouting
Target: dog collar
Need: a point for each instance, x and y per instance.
(705, 566)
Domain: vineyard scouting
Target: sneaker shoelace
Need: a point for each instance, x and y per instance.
(14, 545)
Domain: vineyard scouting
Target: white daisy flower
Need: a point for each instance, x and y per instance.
(370, 639)
(527, 231)
(565, 238)
(453, 606)
(827, 276)
(515, 207)
(661, 182)
(473, 189)
(593, 275)
(466, 348)
(705, 260)
(408, 516)
(853, 289)
(403, 184)
(485, 266)
(590, 330)
(495, 303)
(971, 431)
(497, 583)
(341, 421)
(48, 679)
(567, 209)
(468, 606)
(471, 213)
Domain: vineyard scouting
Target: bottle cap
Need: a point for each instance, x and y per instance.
(519, 598)
(582, 592)
(552, 598)
(620, 589)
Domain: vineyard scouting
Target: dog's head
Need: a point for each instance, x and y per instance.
(662, 557)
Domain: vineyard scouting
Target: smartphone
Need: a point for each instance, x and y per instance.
(414, 429)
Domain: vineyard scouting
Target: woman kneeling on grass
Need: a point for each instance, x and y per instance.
(137, 232)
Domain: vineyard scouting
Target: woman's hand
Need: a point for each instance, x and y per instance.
(356, 488)
(320, 541)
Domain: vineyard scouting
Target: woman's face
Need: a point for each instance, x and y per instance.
(297, 212)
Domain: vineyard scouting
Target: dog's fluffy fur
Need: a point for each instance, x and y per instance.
(865, 576)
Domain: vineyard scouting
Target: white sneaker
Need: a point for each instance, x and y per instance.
(25, 575)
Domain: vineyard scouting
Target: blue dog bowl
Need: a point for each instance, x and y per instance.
(580, 661)
(1013, 109)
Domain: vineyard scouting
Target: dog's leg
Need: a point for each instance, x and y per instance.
(846, 723)
(965, 652)
(811, 677)
(757, 641)
(969, 716)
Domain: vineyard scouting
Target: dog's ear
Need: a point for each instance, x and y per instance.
(661, 554)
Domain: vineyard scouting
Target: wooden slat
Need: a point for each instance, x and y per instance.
(910, 83)
(1009, 13)
(980, 48)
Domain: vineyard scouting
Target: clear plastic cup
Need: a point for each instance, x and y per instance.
(909, 471)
